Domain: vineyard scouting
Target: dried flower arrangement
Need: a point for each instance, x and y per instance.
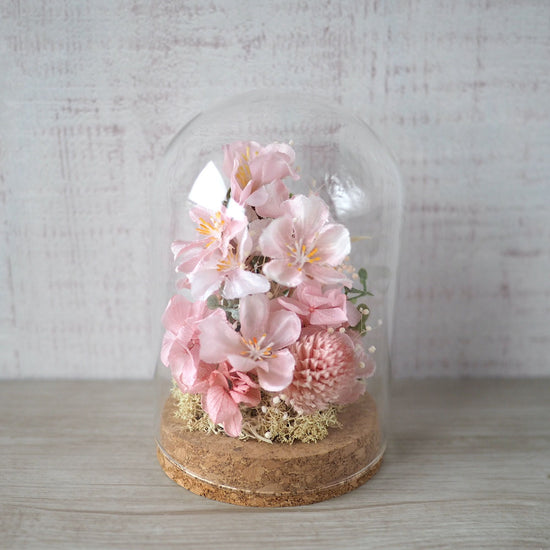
(264, 340)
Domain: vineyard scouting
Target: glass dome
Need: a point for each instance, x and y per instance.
(275, 245)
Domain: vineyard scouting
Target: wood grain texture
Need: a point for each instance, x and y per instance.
(468, 466)
(92, 92)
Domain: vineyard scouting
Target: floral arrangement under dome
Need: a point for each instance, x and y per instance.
(264, 338)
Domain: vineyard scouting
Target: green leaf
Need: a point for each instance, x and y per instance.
(212, 302)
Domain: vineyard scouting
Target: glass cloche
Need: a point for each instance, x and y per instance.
(275, 248)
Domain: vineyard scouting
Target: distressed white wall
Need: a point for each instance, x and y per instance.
(92, 91)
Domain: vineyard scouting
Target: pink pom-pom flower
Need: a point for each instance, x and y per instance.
(326, 372)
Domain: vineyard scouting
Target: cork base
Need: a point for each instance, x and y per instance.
(254, 473)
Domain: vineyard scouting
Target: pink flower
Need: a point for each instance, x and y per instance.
(260, 345)
(276, 193)
(317, 307)
(302, 243)
(326, 372)
(216, 230)
(251, 166)
(227, 388)
(230, 271)
(180, 345)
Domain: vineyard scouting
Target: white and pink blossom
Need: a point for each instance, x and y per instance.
(229, 272)
(261, 345)
(250, 167)
(216, 230)
(303, 244)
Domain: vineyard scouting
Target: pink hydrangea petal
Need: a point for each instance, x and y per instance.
(232, 424)
(176, 313)
(251, 397)
(167, 342)
(328, 316)
(275, 237)
(294, 305)
(279, 373)
(253, 315)
(220, 407)
(281, 272)
(334, 243)
(218, 340)
(240, 283)
(352, 314)
(183, 362)
(283, 329)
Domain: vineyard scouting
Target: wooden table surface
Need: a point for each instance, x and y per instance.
(468, 466)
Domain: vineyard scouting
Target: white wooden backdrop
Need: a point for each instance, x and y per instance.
(92, 91)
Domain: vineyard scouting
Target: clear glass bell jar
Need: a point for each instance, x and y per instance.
(275, 246)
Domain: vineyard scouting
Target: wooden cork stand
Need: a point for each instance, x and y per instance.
(254, 473)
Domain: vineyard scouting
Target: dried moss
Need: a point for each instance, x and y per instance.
(272, 421)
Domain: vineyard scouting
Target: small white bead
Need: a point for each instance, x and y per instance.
(264, 409)
(267, 435)
(330, 330)
(276, 400)
(341, 330)
(368, 328)
(372, 349)
(379, 322)
(361, 364)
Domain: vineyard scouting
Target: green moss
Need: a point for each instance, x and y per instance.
(272, 420)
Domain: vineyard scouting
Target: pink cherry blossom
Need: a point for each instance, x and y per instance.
(260, 347)
(229, 272)
(180, 345)
(251, 166)
(227, 388)
(277, 193)
(326, 372)
(318, 306)
(217, 229)
(303, 244)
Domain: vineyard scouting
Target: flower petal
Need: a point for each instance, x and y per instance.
(217, 338)
(277, 193)
(283, 329)
(329, 316)
(253, 315)
(327, 275)
(176, 313)
(279, 374)
(275, 237)
(309, 214)
(204, 283)
(283, 273)
(334, 243)
(240, 283)
(242, 363)
(219, 405)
